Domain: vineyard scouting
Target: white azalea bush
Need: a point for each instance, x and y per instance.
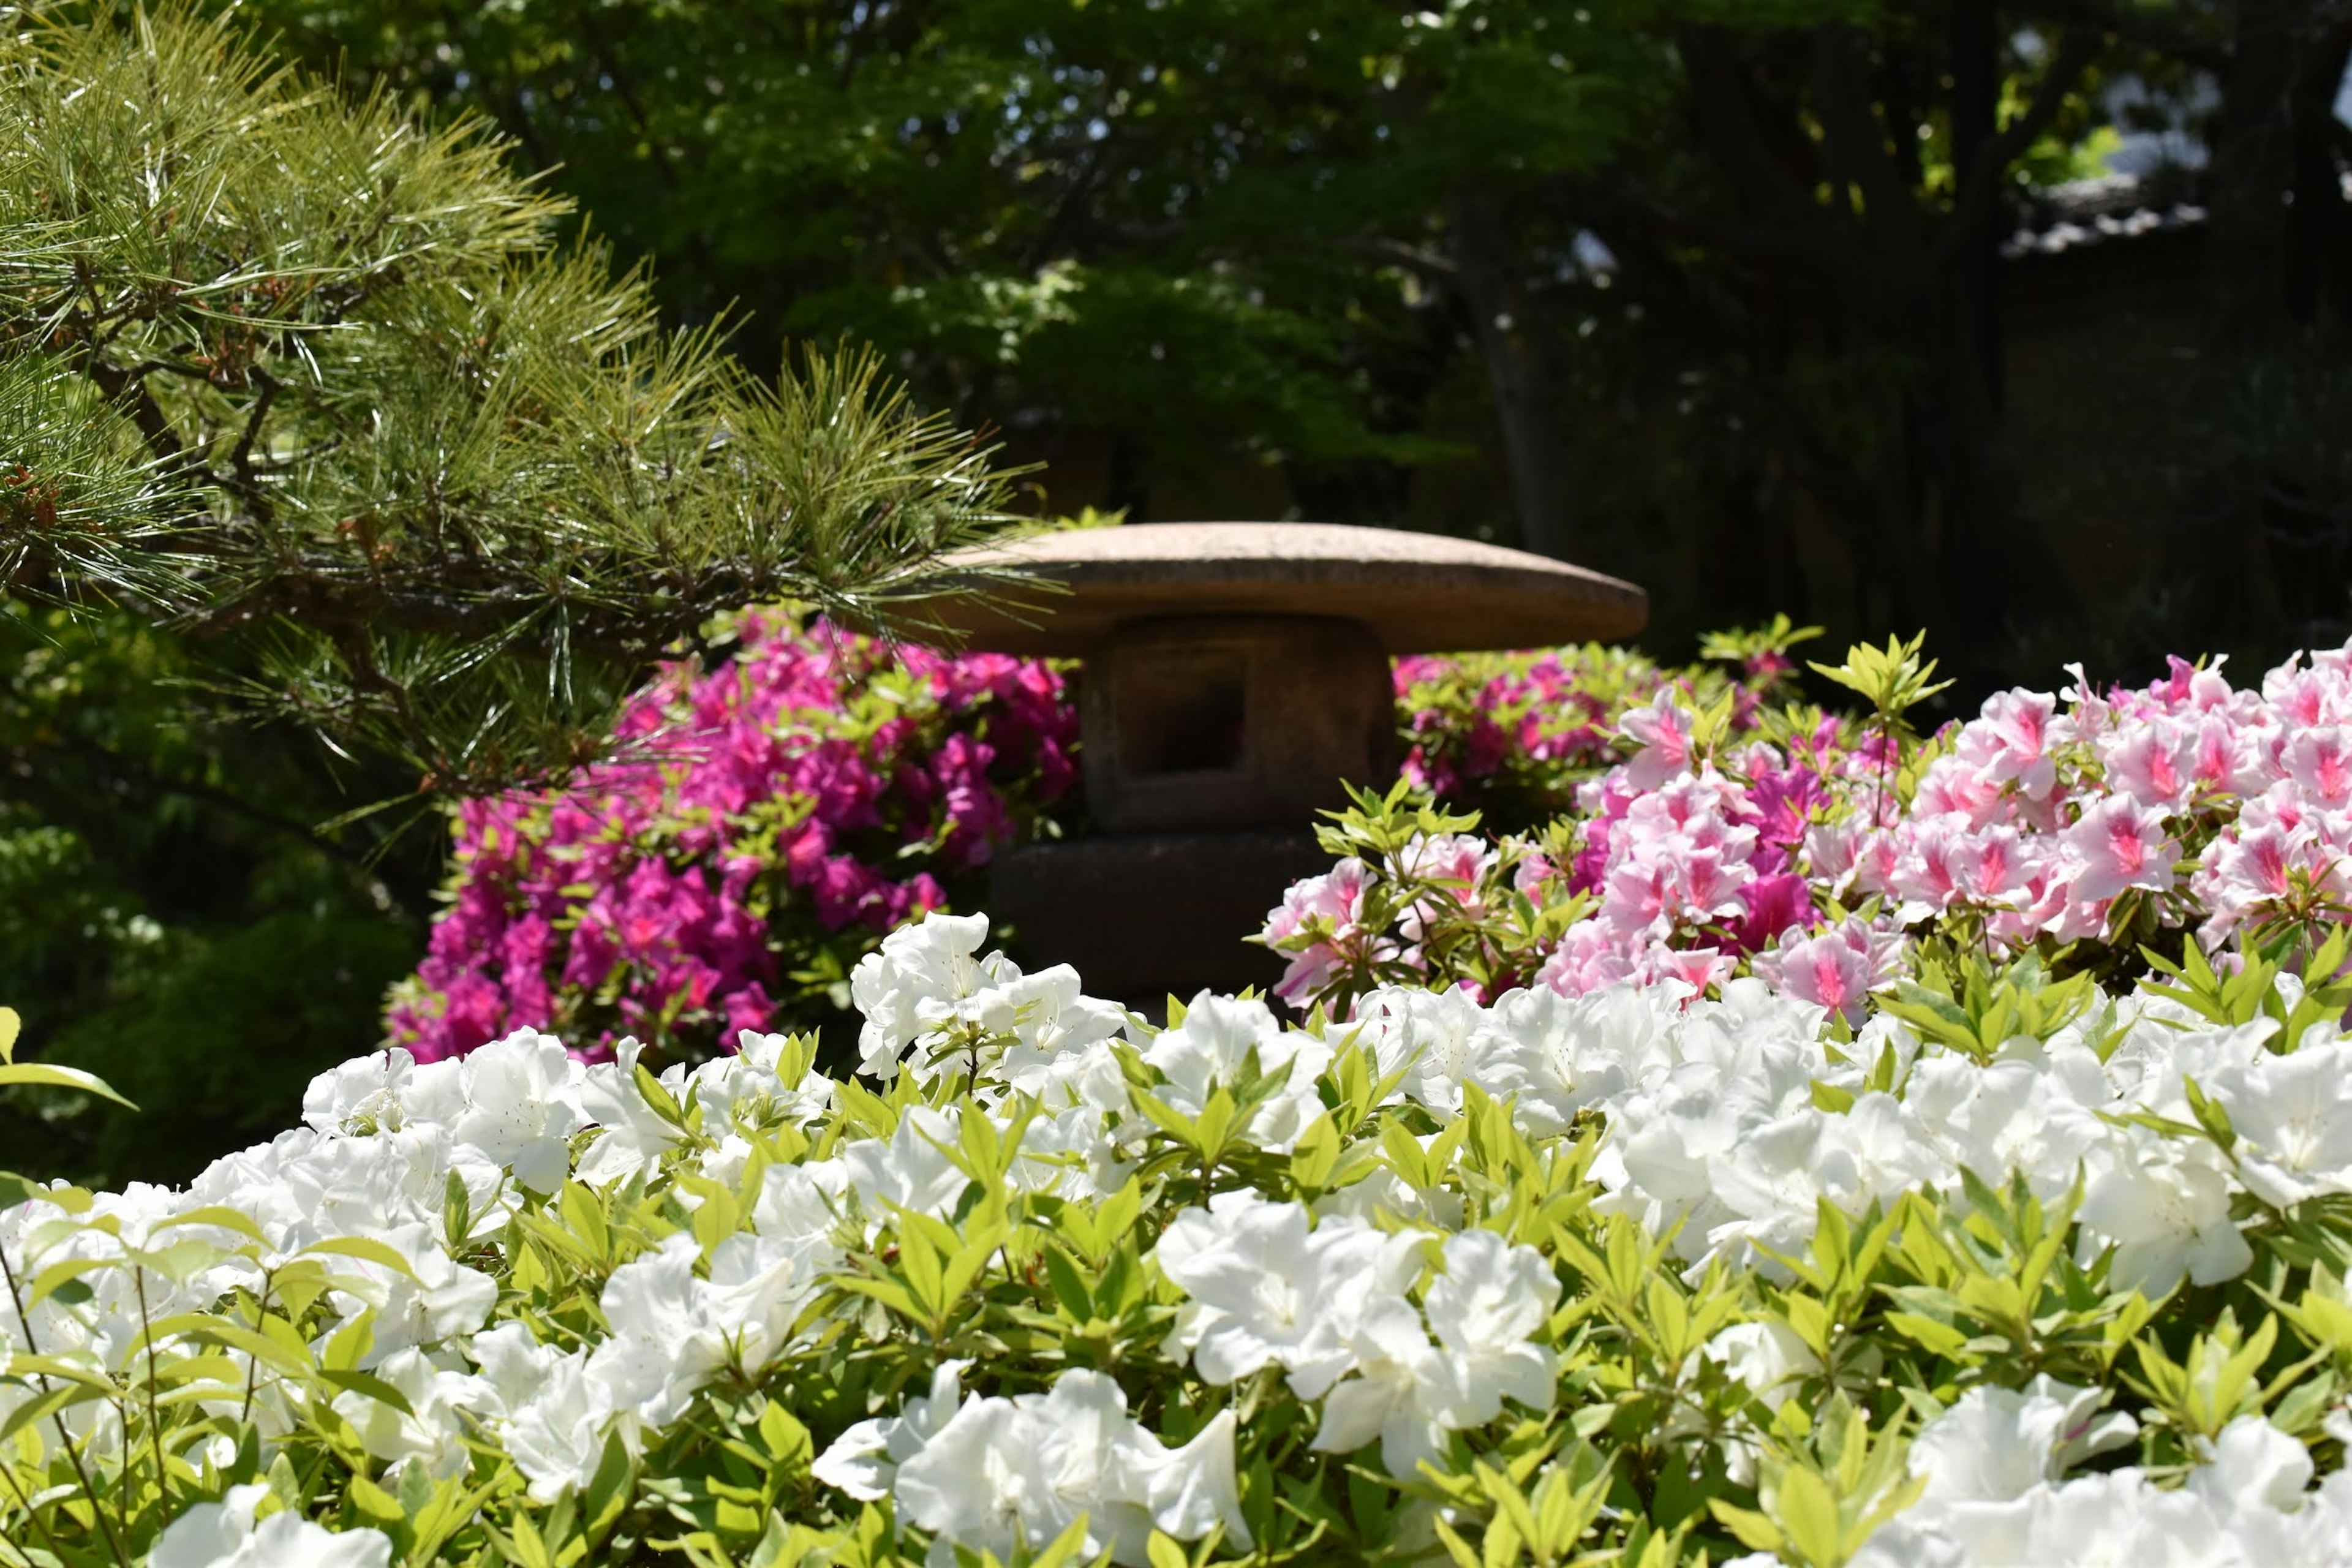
(1644, 1275)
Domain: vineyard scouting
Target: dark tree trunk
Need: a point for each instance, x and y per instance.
(2318, 221)
(1968, 500)
(1517, 356)
(1125, 488)
(1976, 105)
(2254, 165)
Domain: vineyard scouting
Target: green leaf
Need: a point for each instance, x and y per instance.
(1808, 1512)
(1829, 1097)
(41, 1407)
(787, 1441)
(1069, 1285)
(368, 1385)
(376, 1508)
(1938, 1339)
(52, 1076)
(663, 1103)
(1755, 1531)
(613, 1486)
(367, 1249)
(220, 1215)
(15, 1189)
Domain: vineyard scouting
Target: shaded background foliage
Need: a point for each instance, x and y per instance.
(167, 910)
(1711, 295)
(1722, 297)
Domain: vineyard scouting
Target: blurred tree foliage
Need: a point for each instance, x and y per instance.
(168, 914)
(1722, 273)
(1717, 284)
(1169, 224)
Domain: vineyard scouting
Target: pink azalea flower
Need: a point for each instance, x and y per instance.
(1954, 785)
(2320, 760)
(2118, 843)
(2009, 741)
(2154, 761)
(1336, 897)
(1772, 905)
(1833, 969)
(765, 795)
(1662, 731)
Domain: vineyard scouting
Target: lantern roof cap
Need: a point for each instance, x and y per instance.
(1418, 593)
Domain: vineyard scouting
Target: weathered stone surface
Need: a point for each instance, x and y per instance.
(1418, 593)
(1140, 915)
(1232, 721)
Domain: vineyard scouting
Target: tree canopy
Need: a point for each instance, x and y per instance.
(1713, 287)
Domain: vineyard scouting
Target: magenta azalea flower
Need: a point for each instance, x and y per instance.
(812, 792)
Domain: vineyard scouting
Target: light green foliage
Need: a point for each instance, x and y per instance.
(1893, 680)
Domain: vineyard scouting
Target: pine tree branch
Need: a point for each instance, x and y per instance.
(348, 395)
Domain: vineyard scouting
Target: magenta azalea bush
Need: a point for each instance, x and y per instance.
(778, 814)
(769, 820)
(1832, 856)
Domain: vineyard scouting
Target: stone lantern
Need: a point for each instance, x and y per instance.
(1236, 673)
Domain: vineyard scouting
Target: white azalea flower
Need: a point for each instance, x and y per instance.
(2292, 1115)
(364, 1090)
(430, 1434)
(1585, 1050)
(1070, 1152)
(439, 1299)
(224, 1535)
(919, 982)
(910, 1170)
(1994, 1445)
(1403, 1389)
(1267, 1291)
(2164, 1203)
(1209, 1048)
(863, 1461)
(556, 1432)
(1491, 1297)
(1766, 1356)
(1047, 1016)
(521, 1105)
(2252, 1462)
(996, 1474)
(1440, 1040)
(669, 1335)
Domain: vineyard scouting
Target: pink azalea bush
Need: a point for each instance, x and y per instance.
(771, 818)
(1832, 857)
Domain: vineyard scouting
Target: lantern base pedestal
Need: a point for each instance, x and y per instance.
(1143, 915)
